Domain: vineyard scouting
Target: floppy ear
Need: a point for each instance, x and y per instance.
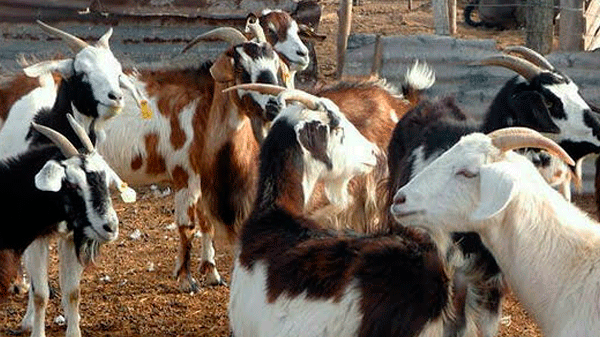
(497, 188)
(222, 69)
(313, 136)
(65, 67)
(532, 112)
(50, 177)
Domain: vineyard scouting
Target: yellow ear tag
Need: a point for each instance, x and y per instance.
(146, 111)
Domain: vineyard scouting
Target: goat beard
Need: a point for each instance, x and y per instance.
(87, 250)
(9, 260)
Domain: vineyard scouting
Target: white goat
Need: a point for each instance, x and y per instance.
(547, 247)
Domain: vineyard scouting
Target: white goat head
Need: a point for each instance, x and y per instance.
(334, 151)
(282, 31)
(473, 181)
(95, 73)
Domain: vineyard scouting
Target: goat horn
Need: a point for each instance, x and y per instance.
(518, 137)
(253, 26)
(65, 146)
(81, 134)
(531, 56)
(227, 34)
(516, 64)
(285, 94)
(76, 44)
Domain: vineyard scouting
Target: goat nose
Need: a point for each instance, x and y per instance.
(301, 53)
(399, 199)
(115, 96)
(107, 228)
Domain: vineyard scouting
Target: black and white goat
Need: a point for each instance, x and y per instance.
(547, 247)
(541, 98)
(90, 89)
(49, 185)
(292, 277)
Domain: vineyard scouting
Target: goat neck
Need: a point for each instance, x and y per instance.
(281, 180)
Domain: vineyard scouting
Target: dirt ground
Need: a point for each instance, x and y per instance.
(131, 292)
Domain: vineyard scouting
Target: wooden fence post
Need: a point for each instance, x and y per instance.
(452, 16)
(345, 20)
(539, 25)
(572, 26)
(440, 16)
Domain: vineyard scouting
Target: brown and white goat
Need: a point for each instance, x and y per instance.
(200, 140)
(373, 107)
(292, 277)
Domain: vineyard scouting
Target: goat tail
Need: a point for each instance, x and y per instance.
(418, 78)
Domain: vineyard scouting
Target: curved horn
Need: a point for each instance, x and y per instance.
(80, 132)
(227, 34)
(285, 94)
(516, 64)
(65, 146)
(76, 44)
(253, 26)
(518, 137)
(531, 56)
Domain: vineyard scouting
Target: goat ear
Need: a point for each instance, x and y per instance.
(50, 177)
(313, 136)
(222, 69)
(497, 188)
(65, 67)
(532, 112)
(307, 32)
(284, 74)
(103, 41)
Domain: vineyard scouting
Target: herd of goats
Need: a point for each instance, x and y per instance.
(355, 209)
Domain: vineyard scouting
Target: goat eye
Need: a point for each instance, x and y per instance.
(466, 173)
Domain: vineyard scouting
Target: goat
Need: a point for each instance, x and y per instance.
(201, 141)
(164, 141)
(546, 101)
(373, 108)
(283, 32)
(292, 277)
(558, 174)
(60, 184)
(547, 247)
(91, 91)
(90, 88)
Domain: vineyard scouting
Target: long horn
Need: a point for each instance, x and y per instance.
(531, 56)
(76, 44)
(516, 64)
(65, 146)
(227, 34)
(80, 132)
(285, 94)
(518, 137)
(253, 26)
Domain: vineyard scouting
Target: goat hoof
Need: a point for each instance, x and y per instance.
(17, 332)
(190, 285)
(217, 283)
